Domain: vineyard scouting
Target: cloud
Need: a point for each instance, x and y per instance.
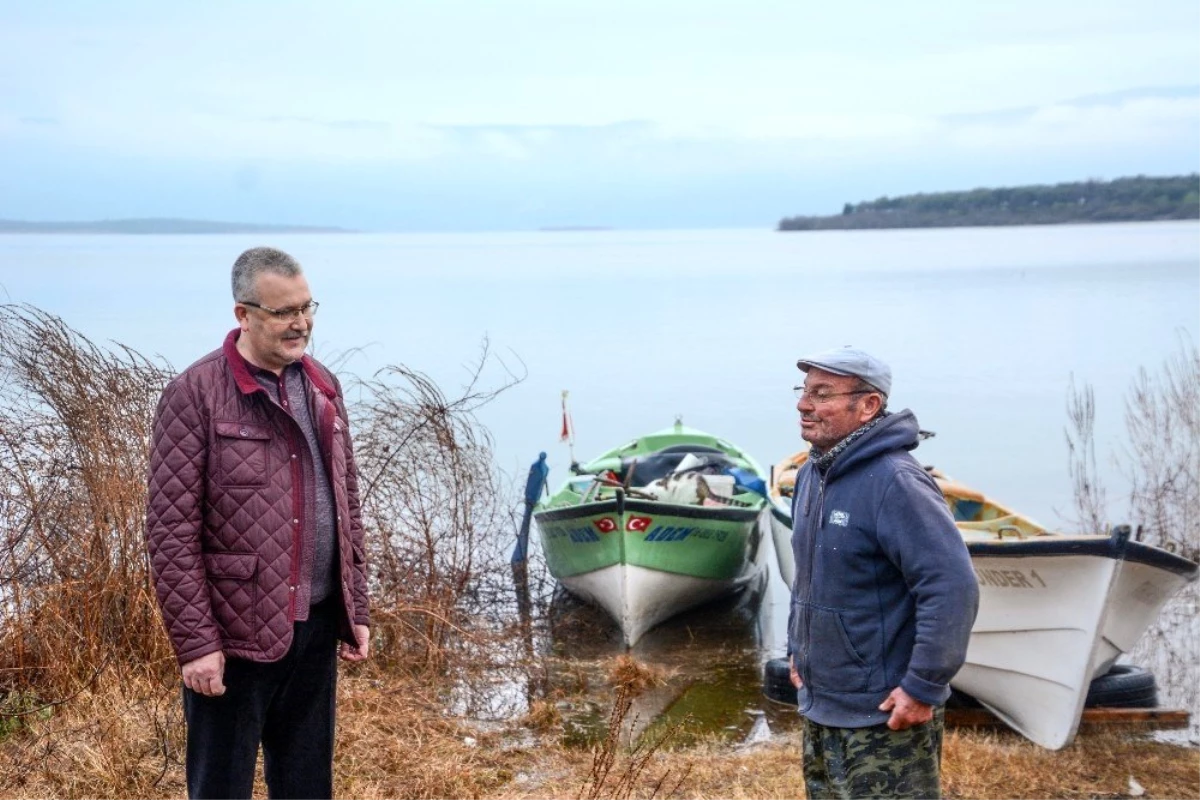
(334, 124)
(1136, 118)
(551, 142)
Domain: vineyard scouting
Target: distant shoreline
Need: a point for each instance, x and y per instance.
(153, 226)
(1137, 199)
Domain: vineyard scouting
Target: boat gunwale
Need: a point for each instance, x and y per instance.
(1107, 547)
(718, 513)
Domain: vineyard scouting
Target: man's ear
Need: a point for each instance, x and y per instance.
(241, 314)
(870, 406)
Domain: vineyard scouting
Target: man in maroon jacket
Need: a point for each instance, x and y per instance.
(256, 542)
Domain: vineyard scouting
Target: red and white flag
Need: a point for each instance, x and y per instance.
(605, 524)
(568, 430)
(638, 523)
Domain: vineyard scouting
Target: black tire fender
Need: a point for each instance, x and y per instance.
(1123, 686)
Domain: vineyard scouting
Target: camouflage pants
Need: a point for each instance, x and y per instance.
(874, 762)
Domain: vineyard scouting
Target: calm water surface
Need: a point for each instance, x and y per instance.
(984, 329)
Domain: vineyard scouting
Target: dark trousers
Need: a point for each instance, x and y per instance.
(287, 705)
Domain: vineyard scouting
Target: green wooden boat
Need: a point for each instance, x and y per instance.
(666, 522)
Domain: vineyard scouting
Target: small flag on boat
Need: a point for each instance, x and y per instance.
(567, 427)
(638, 523)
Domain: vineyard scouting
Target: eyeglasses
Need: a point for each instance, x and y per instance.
(308, 310)
(820, 396)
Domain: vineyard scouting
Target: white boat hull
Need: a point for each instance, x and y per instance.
(639, 598)
(1030, 657)
(1047, 625)
(781, 536)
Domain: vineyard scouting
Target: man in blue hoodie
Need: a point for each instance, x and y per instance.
(884, 596)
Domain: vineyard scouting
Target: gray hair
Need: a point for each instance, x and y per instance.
(255, 262)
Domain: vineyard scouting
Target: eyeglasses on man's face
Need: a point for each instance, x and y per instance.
(308, 311)
(823, 395)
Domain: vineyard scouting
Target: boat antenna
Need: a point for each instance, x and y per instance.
(568, 429)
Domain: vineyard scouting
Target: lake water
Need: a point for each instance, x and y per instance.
(984, 330)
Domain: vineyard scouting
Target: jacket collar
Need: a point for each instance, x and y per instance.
(245, 379)
(897, 431)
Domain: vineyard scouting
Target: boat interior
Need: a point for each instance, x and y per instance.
(682, 474)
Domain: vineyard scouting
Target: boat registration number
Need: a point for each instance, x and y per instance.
(1010, 578)
(671, 533)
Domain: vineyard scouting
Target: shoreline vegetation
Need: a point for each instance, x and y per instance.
(1137, 199)
(157, 225)
(89, 686)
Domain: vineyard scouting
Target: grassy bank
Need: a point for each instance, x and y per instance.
(395, 740)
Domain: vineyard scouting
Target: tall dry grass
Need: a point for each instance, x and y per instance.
(438, 517)
(1160, 456)
(76, 606)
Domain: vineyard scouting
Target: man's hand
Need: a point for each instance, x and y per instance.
(795, 676)
(907, 711)
(206, 675)
(348, 652)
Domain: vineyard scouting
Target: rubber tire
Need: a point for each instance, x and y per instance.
(1123, 686)
(777, 682)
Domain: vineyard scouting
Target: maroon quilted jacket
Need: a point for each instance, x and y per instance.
(223, 515)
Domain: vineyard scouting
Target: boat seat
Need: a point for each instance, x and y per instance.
(1010, 526)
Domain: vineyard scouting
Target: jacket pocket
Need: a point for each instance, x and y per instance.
(339, 451)
(233, 592)
(242, 458)
(836, 665)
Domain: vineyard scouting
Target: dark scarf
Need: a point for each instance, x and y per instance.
(824, 460)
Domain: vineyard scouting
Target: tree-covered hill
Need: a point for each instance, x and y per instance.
(1136, 199)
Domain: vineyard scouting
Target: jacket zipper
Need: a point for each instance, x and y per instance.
(812, 547)
(298, 501)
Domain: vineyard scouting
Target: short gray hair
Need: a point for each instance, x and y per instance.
(255, 262)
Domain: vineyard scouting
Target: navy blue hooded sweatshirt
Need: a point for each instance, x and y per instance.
(885, 594)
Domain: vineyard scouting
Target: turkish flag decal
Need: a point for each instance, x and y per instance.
(638, 523)
(605, 524)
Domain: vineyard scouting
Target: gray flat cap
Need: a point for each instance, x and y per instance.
(851, 361)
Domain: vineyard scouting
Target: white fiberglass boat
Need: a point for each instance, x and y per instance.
(1055, 610)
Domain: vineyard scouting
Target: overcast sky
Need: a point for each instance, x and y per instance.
(519, 114)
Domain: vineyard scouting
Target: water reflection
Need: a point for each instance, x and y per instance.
(711, 657)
